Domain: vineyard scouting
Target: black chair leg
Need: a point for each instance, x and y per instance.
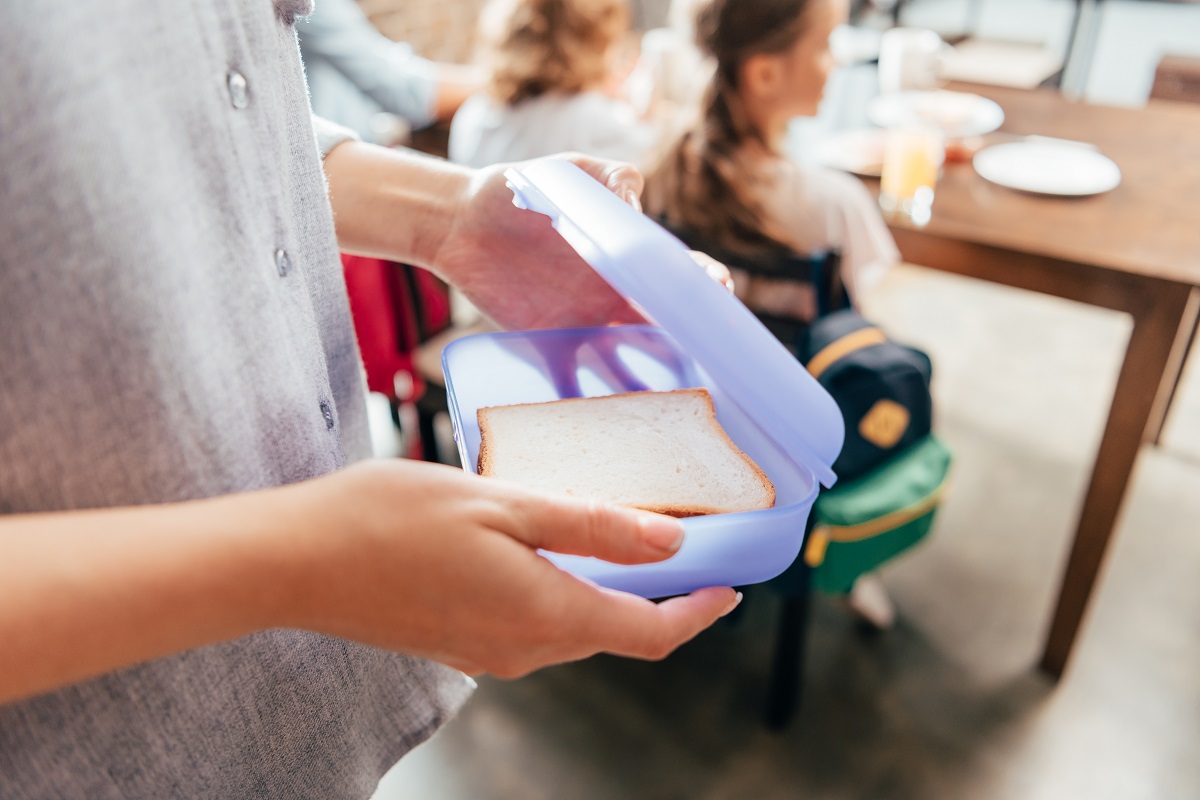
(787, 668)
(431, 403)
(429, 447)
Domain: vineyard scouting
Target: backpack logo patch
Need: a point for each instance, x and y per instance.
(884, 424)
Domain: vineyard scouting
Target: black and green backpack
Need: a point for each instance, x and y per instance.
(892, 471)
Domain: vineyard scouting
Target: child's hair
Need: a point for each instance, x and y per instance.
(700, 185)
(541, 46)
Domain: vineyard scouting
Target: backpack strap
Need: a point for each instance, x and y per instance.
(890, 521)
(840, 348)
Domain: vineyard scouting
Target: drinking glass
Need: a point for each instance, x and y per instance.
(912, 158)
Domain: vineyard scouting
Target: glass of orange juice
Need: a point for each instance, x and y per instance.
(911, 161)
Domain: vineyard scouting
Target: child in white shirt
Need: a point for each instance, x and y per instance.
(728, 178)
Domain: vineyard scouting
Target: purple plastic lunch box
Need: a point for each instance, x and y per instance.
(702, 336)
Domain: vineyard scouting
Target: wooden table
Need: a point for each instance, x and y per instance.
(1135, 249)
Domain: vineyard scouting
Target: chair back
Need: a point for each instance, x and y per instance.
(820, 271)
(395, 308)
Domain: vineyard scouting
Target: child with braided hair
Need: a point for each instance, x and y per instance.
(728, 180)
(727, 177)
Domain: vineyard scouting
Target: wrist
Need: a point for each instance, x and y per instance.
(296, 553)
(254, 554)
(394, 204)
(321, 543)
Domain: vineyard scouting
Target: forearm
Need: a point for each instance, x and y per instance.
(456, 82)
(391, 203)
(417, 558)
(83, 593)
(462, 224)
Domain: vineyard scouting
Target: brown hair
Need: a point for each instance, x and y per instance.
(703, 184)
(540, 46)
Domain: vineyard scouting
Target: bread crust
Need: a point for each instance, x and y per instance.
(485, 458)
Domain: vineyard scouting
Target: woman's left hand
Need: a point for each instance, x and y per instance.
(515, 267)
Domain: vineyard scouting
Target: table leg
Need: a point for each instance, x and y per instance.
(1183, 345)
(1156, 320)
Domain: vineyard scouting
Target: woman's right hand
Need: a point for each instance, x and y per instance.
(428, 560)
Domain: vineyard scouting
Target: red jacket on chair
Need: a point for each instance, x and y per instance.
(395, 307)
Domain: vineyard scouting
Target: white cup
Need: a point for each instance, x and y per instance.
(911, 59)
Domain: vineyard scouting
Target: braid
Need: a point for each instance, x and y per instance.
(705, 184)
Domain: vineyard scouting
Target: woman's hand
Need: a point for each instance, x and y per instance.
(516, 268)
(431, 561)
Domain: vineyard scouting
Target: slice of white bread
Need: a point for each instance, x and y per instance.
(659, 451)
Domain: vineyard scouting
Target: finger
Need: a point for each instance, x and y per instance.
(623, 180)
(627, 183)
(591, 528)
(626, 625)
(713, 268)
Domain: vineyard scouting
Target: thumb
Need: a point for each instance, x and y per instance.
(591, 528)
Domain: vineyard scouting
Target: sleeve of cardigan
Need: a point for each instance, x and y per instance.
(330, 134)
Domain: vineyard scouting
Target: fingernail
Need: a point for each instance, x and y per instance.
(630, 196)
(663, 533)
(737, 598)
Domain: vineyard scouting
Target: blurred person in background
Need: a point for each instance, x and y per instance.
(729, 177)
(557, 83)
(380, 89)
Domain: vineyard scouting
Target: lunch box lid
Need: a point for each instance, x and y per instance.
(653, 270)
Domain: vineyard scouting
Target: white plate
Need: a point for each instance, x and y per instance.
(859, 152)
(1047, 167)
(957, 114)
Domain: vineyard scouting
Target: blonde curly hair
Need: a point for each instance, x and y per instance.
(534, 47)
